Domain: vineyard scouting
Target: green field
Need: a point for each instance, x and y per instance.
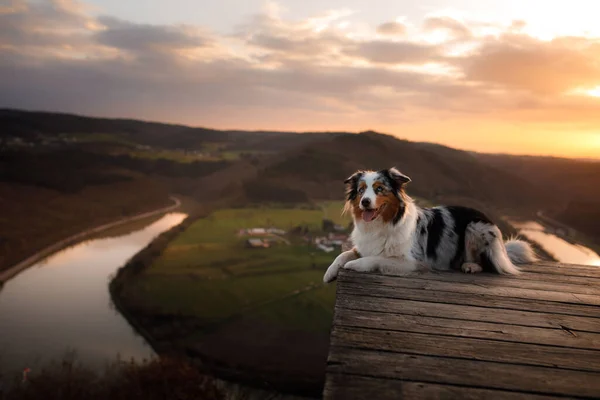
(252, 311)
(208, 274)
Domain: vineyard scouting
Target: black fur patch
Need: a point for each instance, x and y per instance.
(352, 186)
(400, 213)
(486, 263)
(463, 216)
(436, 230)
(391, 182)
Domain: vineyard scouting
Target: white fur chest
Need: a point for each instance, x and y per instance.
(377, 238)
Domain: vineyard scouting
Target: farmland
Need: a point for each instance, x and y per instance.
(208, 293)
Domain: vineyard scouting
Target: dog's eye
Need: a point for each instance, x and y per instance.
(361, 190)
(379, 189)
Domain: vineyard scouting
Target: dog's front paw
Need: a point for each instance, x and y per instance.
(471, 268)
(331, 273)
(360, 265)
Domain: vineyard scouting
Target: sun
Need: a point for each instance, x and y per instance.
(583, 91)
(595, 92)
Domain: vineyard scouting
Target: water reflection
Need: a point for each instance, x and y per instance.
(560, 249)
(62, 304)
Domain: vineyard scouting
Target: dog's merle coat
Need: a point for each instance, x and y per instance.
(394, 235)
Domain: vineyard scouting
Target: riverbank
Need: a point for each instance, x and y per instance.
(568, 233)
(136, 265)
(40, 255)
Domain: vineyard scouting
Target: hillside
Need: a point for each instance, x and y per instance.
(439, 173)
(577, 181)
(284, 166)
(37, 126)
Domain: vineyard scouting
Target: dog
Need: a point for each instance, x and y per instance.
(393, 235)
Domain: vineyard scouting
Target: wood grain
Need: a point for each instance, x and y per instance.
(456, 371)
(463, 328)
(466, 312)
(471, 288)
(452, 335)
(470, 299)
(462, 347)
(345, 386)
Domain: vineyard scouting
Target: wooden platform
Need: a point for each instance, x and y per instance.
(451, 335)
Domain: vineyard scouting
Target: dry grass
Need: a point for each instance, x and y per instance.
(151, 380)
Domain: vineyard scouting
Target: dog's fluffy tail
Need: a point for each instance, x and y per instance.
(486, 239)
(504, 256)
(520, 252)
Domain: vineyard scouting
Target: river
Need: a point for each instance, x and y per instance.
(61, 306)
(560, 249)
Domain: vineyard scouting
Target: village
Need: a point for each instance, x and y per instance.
(332, 237)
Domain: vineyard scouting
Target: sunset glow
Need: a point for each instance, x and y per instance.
(494, 76)
(594, 92)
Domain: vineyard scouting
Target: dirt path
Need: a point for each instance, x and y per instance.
(40, 255)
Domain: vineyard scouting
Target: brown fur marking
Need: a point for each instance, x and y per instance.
(353, 206)
(390, 204)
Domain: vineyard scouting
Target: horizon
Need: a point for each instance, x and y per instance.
(493, 76)
(349, 132)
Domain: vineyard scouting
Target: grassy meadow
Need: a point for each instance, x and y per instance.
(208, 273)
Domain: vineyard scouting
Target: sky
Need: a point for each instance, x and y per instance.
(508, 76)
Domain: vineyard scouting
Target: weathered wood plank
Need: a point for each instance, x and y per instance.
(471, 313)
(550, 282)
(494, 280)
(472, 329)
(467, 348)
(452, 335)
(346, 387)
(453, 371)
(481, 300)
(540, 276)
(461, 287)
(577, 267)
(556, 269)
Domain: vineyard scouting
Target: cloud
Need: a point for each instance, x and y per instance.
(51, 23)
(322, 70)
(142, 37)
(517, 61)
(387, 52)
(392, 29)
(453, 27)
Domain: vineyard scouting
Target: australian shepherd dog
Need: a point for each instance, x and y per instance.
(394, 236)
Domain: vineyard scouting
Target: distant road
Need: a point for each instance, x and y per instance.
(40, 255)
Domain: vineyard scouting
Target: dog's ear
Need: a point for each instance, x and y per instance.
(398, 176)
(351, 184)
(352, 179)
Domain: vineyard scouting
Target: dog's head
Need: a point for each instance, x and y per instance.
(374, 194)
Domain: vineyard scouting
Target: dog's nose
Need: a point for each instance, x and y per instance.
(366, 202)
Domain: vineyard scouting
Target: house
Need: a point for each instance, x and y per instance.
(257, 231)
(326, 249)
(275, 231)
(338, 228)
(256, 243)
